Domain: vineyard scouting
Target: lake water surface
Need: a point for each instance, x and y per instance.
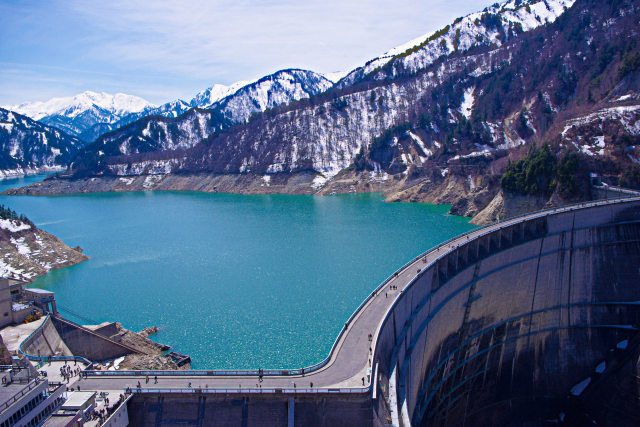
(234, 281)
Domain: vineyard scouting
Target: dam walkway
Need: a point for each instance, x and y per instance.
(349, 368)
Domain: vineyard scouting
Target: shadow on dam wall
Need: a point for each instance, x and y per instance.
(536, 322)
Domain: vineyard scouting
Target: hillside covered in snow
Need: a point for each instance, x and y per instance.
(27, 251)
(28, 146)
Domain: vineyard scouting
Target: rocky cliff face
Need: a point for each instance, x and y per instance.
(27, 252)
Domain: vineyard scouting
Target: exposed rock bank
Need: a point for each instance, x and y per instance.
(153, 357)
(477, 196)
(139, 341)
(27, 252)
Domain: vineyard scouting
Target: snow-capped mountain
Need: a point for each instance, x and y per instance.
(487, 30)
(30, 146)
(170, 109)
(270, 91)
(216, 92)
(118, 104)
(154, 133)
(79, 114)
(492, 26)
(446, 121)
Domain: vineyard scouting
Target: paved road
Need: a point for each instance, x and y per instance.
(349, 361)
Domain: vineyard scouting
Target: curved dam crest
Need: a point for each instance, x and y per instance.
(534, 319)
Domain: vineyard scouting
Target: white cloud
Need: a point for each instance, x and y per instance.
(205, 38)
(161, 48)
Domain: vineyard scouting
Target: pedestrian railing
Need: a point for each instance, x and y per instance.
(32, 384)
(270, 390)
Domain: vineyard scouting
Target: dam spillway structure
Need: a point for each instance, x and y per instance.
(531, 321)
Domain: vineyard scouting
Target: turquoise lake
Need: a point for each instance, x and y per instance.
(234, 281)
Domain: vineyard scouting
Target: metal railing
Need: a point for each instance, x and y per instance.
(5, 405)
(270, 390)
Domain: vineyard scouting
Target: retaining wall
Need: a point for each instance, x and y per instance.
(45, 341)
(88, 344)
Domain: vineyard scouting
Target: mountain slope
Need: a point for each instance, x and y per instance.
(335, 146)
(491, 27)
(27, 145)
(163, 133)
(270, 91)
(27, 251)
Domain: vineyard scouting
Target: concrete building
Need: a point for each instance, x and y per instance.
(43, 299)
(16, 304)
(27, 400)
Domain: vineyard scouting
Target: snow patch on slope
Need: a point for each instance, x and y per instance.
(468, 99)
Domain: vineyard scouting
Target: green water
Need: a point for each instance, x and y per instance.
(234, 281)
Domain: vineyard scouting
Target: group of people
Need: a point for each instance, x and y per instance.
(66, 372)
(105, 412)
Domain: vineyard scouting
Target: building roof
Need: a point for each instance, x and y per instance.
(61, 419)
(38, 291)
(78, 399)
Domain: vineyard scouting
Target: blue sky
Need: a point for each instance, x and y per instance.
(163, 50)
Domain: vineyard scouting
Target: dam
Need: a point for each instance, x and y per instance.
(531, 320)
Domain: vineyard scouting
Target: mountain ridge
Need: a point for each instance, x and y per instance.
(28, 146)
(444, 133)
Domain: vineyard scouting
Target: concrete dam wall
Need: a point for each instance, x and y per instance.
(45, 341)
(59, 337)
(510, 326)
(239, 409)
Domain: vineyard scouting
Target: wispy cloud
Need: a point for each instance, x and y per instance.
(183, 44)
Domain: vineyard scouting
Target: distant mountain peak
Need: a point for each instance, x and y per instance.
(71, 106)
(217, 92)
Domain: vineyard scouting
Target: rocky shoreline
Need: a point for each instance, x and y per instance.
(472, 196)
(152, 353)
(27, 252)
